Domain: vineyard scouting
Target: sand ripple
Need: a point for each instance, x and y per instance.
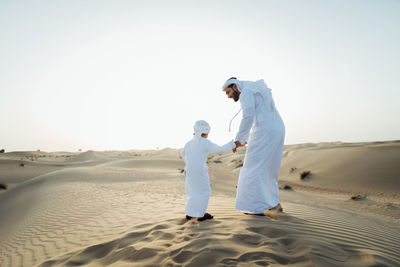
(238, 240)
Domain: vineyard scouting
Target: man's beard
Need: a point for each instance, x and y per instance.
(235, 96)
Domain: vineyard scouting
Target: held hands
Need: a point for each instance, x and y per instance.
(238, 144)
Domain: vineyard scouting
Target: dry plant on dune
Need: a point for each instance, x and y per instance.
(358, 197)
(305, 175)
(2, 151)
(3, 186)
(239, 165)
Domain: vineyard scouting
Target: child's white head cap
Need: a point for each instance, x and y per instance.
(201, 127)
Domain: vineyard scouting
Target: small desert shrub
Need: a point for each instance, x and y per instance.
(2, 151)
(292, 169)
(287, 187)
(305, 174)
(181, 170)
(3, 186)
(357, 197)
(239, 165)
(22, 164)
(217, 161)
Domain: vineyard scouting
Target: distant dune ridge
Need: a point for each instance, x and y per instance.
(126, 208)
(366, 167)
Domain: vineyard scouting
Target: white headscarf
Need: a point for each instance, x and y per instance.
(201, 127)
(232, 81)
(255, 87)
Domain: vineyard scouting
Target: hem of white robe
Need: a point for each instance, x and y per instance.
(257, 211)
(195, 214)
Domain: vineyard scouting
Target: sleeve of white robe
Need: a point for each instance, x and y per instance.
(215, 149)
(247, 102)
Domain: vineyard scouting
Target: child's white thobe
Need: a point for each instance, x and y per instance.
(197, 182)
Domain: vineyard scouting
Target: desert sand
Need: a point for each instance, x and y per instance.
(126, 208)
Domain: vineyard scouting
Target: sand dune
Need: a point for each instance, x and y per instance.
(126, 208)
(234, 239)
(368, 168)
(88, 156)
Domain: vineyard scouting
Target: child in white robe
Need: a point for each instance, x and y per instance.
(197, 182)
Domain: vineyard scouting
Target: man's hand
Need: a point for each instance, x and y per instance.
(238, 144)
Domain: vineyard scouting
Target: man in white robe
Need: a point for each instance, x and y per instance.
(263, 130)
(197, 183)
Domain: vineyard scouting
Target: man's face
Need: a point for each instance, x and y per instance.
(232, 92)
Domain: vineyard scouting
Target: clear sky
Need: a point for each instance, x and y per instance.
(106, 75)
